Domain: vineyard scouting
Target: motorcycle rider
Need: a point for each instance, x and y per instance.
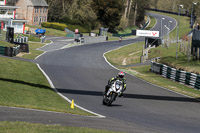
(120, 38)
(120, 77)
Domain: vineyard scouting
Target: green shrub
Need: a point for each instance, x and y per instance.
(80, 28)
(54, 25)
(61, 26)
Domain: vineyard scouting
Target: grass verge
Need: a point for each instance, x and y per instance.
(152, 23)
(23, 85)
(49, 31)
(144, 73)
(33, 52)
(127, 55)
(6, 44)
(117, 57)
(23, 127)
(183, 24)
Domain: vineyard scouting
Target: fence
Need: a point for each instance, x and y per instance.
(184, 77)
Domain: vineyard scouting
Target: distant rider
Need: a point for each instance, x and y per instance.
(120, 77)
(120, 38)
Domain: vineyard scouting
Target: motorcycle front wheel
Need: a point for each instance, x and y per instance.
(111, 99)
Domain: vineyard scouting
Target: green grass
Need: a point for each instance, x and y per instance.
(183, 25)
(33, 52)
(33, 38)
(130, 53)
(24, 127)
(168, 55)
(143, 72)
(127, 30)
(49, 31)
(152, 23)
(6, 44)
(23, 85)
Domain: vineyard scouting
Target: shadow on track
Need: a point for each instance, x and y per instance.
(134, 96)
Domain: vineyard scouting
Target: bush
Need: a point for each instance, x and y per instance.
(60, 26)
(54, 25)
(80, 28)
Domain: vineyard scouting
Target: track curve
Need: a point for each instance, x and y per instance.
(80, 73)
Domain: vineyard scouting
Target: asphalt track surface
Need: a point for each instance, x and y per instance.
(81, 73)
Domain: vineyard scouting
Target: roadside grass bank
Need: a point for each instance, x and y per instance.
(6, 44)
(126, 55)
(23, 85)
(130, 55)
(184, 28)
(24, 127)
(33, 52)
(152, 23)
(49, 31)
(143, 72)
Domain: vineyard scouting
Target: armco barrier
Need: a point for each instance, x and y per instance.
(184, 77)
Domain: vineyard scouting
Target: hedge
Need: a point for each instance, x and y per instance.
(54, 25)
(60, 26)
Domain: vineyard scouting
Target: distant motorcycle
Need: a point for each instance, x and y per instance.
(120, 39)
(112, 93)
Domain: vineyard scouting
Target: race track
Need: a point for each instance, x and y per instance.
(80, 73)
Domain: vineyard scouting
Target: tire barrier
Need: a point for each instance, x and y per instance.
(9, 51)
(2, 50)
(21, 40)
(24, 47)
(184, 77)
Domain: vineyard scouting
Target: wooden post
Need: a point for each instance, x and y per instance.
(188, 50)
(143, 50)
(194, 54)
(197, 53)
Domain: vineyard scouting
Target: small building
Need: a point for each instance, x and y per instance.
(34, 11)
(8, 18)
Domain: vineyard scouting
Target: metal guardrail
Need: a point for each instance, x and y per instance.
(184, 77)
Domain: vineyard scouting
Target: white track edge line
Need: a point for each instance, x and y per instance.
(53, 87)
(140, 78)
(143, 79)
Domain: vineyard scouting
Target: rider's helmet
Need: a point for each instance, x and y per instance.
(121, 75)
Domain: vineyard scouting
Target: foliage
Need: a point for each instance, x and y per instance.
(108, 12)
(71, 11)
(173, 5)
(95, 13)
(54, 25)
(60, 26)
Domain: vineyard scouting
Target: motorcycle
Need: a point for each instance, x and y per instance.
(120, 39)
(112, 93)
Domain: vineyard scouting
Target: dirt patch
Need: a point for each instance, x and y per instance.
(22, 54)
(124, 61)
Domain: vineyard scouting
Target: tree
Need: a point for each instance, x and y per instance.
(109, 12)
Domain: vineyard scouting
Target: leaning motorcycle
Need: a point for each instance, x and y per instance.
(113, 92)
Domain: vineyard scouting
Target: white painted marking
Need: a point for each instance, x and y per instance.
(52, 86)
(140, 78)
